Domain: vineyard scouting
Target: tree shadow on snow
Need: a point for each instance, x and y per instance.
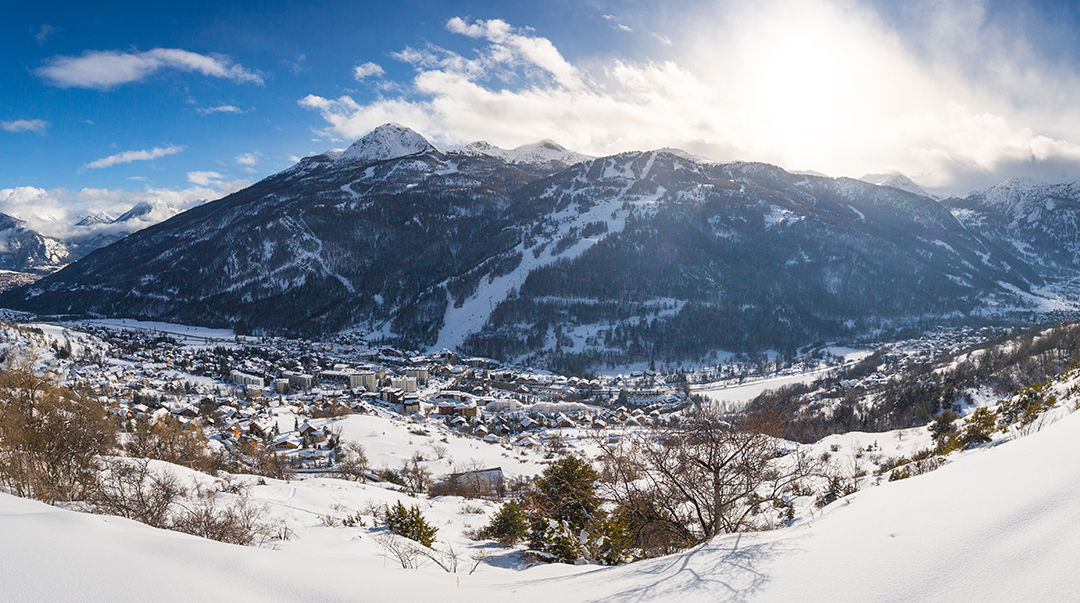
(726, 569)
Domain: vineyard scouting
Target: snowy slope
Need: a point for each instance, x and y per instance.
(997, 524)
(1040, 222)
(25, 250)
(388, 141)
(544, 151)
(899, 181)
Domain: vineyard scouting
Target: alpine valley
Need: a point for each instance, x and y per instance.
(545, 255)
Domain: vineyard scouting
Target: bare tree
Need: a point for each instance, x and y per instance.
(679, 486)
(50, 436)
(417, 477)
(167, 440)
(352, 462)
(402, 550)
(128, 488)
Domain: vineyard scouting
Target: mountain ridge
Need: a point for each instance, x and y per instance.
(645, 255)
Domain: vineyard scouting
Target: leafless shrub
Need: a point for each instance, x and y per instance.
(50, 436)
(679, 486)
(447, 558)
(478, 557)
(352, 462)
(402, 550)
(128, 488)
(417, 477)
(239, 522)
(222, 511)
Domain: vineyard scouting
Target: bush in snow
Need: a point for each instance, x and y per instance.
(410, 523)
(50, 436)
(509, 525)
(1026, 406)
(607, 542)
(566, 493)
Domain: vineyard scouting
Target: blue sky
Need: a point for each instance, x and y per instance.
(105, 104)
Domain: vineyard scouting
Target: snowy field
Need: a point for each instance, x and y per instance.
(741, 393)
(185, 334)
(996, 524)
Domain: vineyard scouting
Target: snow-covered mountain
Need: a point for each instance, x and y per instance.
(152, 211)
(95, 219)
(1039, 221)
(899, 181)
(100, 229)
(651, 255)
(542, 152)
(389, 141)
(27, 251)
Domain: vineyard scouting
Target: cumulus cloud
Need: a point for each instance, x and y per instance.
(219, 109)
(203, 178)
(129, 156)
(248, 158)
(106, 69)
(25, 125)
(296, 66)
(367, 70)
(827, 85)
(43, 33)
(55, 212)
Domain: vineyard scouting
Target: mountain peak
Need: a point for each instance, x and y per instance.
(154, 210)
(542, 152)
(388, 141)
(8, 222)
(898, 181)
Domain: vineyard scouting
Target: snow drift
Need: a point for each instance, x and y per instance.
(997, 524)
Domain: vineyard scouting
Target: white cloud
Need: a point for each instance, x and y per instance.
(296, 66)
(615, 24)
(43, 33)
(248, 158)
(203, 178)
(107, 69)
(129, 156)
(25, 125)
(814, 84)
(219, 109)
(54, 212)
(367, 70)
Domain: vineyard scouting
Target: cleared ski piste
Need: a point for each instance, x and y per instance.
(186, 334)
(741, 393)
(995, 524)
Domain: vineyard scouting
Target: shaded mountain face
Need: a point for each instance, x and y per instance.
(512, 254)
(1039, 222)
(27, 251)
(99, 230)
(655, 256)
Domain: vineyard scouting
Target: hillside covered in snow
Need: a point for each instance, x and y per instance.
(995, 524)
(542, 255)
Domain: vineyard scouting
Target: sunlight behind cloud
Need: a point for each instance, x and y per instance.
(816, 84)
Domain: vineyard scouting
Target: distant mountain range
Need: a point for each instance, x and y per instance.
(32, 254)
(24, 250)
(539, 253)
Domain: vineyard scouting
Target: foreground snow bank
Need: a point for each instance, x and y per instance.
(998, 524)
